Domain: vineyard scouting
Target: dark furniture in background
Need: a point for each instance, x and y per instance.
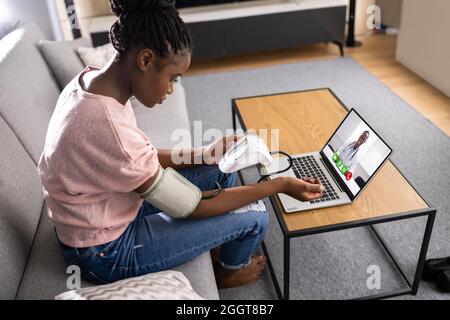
(269, 32)
(220, 38)
(196, 3)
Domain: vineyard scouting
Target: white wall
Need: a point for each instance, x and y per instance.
(391, 11)
(390, 14)
(424, 41)
(34, 10)
(361, 16)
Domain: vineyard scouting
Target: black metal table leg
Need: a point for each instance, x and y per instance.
(287, 266)
(423, 251)
(272, 271)
(233, 113)
(391, 255)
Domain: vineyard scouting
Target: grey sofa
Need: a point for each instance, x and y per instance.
(31, 265)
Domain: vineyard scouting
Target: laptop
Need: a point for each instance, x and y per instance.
(346, 164)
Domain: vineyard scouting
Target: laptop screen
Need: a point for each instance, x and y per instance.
(355, 152)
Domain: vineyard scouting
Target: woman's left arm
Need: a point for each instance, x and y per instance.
(185, 158)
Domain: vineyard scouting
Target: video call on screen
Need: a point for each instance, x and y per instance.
(355, 152)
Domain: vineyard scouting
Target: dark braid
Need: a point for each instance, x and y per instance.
(155, 24)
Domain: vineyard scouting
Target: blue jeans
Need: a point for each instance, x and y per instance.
(155, 242)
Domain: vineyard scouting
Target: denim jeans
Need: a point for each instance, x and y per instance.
(155, 242)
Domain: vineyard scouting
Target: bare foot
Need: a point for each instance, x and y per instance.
(234, 278)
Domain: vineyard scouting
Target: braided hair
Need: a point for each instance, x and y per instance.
(155, 24)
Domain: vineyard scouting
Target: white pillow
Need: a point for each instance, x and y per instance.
(164, 285)
(96, 57)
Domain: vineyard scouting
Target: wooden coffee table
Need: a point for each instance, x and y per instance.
(306, 119)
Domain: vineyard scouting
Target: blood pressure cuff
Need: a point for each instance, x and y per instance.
(173, 194)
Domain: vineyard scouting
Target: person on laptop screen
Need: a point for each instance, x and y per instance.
(348, 153)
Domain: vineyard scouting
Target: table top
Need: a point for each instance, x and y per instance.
(306, 120)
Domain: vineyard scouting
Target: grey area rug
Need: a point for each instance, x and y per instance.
(334, 265)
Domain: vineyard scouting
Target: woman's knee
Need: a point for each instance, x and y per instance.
(259, 220)
(263, 221)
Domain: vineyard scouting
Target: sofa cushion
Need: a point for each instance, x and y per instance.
(98, 56)
(200, 273)
(29, 92)
(164, 285)
(45, 276)
(21, 201)
(62, 58)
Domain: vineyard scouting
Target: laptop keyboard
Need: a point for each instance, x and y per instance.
(305, 167)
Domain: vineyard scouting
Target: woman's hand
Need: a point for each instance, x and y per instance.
(214, 151)
(303, 189)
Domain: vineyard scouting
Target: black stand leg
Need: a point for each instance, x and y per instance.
(351, 42)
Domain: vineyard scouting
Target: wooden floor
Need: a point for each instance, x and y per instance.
(377, 55)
